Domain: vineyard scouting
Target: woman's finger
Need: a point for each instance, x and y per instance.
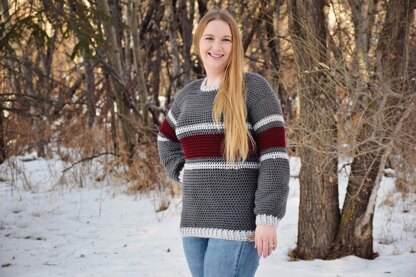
(266, 249)
(271, 248)
(259, 246)
(275, 245)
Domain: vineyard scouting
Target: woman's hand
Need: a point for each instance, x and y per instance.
(265, 240)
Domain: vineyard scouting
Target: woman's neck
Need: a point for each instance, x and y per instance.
(214, 79)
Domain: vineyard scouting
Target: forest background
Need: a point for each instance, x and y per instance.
(97, 77)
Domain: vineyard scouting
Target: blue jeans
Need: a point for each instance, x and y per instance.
(208, 257)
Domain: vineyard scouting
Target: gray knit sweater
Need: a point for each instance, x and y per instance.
(222, 200)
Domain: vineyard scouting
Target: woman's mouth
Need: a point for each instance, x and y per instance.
(216, 56)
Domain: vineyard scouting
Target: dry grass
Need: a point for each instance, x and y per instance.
(386, 236)
(147, 174)
(388, 200)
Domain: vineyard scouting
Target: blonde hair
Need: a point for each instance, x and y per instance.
(230, 99)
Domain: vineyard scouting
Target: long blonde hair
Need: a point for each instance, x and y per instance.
(230, 99)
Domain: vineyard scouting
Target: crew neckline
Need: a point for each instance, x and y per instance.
(205, 88)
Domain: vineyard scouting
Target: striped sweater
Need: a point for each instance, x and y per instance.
(222, 200)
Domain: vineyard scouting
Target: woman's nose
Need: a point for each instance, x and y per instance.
(216, 45)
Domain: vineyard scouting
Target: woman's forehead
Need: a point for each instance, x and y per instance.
(217, 28)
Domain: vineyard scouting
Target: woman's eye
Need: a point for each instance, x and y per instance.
(227, 39)
(209, 38)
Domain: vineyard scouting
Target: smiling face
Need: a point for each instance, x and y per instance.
(215, 46)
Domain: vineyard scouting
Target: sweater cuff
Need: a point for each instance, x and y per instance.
(264, 219)
(180, 177)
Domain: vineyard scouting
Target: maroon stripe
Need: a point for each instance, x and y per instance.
(168, 131)
(273, 137)
(205, 146)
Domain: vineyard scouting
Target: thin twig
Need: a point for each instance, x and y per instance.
(89, 158)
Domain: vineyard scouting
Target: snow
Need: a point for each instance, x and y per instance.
(73, 224)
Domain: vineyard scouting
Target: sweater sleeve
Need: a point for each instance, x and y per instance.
(273, 180)
(170, 150)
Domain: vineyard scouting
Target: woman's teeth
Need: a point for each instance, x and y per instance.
(215, 56)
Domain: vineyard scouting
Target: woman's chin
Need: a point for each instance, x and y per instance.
(215, 66)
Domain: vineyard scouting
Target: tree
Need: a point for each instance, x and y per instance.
(378, 105)
(142, 87)
(114, 57)
(355, 235)
(318, 212)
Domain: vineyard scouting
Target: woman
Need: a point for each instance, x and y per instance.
(224, 140)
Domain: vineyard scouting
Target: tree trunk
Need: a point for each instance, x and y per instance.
(33, 106)
(14, 80)
(393, 48)
(86, 56)
(2, 140)
(360, 15)
(319, 207)
(114, 57)
(202, 7)
(113, 123)
(4, 8)
(252, 19)
(174, 52)
(141, 82)
(355, 235)
(89, 75)
(186, 23)
(156, 77)
(364, 170)
(272, 13)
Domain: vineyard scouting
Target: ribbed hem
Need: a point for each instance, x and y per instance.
(217, 233)
(264, 219)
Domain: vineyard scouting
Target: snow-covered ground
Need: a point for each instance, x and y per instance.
(51, 226)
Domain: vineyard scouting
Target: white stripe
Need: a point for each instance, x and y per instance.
(160, 138)
(197, 127)
(217, 233)
(170, 115)
(274, 155)
(267, 120)
(203, 126)
(264, 219)
(221, 165)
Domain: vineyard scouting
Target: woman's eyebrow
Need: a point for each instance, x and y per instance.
(210, 35)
